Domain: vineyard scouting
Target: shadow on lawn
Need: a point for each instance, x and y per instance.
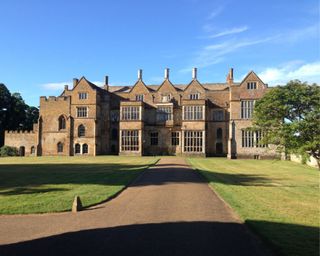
(24, 179)
(18, 179)
(240, 179)
(179, 238)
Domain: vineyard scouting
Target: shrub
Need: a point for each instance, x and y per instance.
(8, 151)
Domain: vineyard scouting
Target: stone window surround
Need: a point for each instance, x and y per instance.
(81, 148)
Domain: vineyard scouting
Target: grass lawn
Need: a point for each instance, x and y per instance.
(279, 200)
(49, 184)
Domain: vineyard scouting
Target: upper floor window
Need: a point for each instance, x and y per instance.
(62, 123)
(130, 113)
(139, 97)
(154, 138)
(82, 111)
(194, 96)
(251, 85)
(247, 109)
(164, 113)
(81, 131)
(165, 98)
(193, 112)
(218, 115)
(83, 95)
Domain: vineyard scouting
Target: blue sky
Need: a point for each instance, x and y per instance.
(44, 44)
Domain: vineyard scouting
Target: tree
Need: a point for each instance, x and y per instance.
(15, 114)
(289, 116)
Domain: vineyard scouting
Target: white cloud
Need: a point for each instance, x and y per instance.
(55, 86)
(215, 13)
(230, 31)
(215, 53)
(309, 72)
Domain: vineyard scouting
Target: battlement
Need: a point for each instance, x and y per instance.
(53, 98)
(19, 132)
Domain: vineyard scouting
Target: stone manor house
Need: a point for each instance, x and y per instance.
(204, 119)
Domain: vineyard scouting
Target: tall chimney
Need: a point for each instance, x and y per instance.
(66, 87)
(231, 74)
(106, 83)
(75, 82)
(140, 74)
(166, 73)
(194, 73)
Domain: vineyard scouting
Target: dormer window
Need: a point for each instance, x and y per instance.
(83, 95)
(194, 96)
(139, 97)
(251, 85)
(166, 98)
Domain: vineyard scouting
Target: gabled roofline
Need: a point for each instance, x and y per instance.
(167, 79)
(194, 80)
(252, 72)
(139, 80)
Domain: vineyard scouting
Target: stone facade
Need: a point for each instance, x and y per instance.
(192, 119)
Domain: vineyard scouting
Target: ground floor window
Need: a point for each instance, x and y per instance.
(85, 149)
(175, 138)
(77, 149)
(32, 150)
(193, 141)
(252, 139)
(154, 138)
(130, 140)
(60, 147)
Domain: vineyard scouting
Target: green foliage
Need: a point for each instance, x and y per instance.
(290, 117)
(15, 114)
(8, 151)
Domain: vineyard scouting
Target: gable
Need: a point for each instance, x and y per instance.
(253, 77)
(167, 87)
(139, 88)
(194, 86)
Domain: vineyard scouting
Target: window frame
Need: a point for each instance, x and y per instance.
(193, 141)
(130, 113)
(175, 138)
(130, 140)
(82, 112)
(193, 113)
(82, 95)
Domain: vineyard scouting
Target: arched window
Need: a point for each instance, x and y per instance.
(77, 149)
(85, 149)
(62, 123)
(32, 150)
(81, 131)
(219, 133)
(60, 147)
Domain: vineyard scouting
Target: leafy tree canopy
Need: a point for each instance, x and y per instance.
(15, 114)
(290, 118)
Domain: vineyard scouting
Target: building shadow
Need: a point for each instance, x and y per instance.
(181, 238)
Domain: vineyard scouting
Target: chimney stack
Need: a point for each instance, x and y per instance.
(166, 73)
(194, 73)
(140, 74)
(106, 83)
(230, 76)
(66, 87)
(75, 82)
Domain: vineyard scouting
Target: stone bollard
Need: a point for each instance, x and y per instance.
(77, 205)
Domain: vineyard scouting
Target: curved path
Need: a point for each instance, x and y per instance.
(169, 210)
